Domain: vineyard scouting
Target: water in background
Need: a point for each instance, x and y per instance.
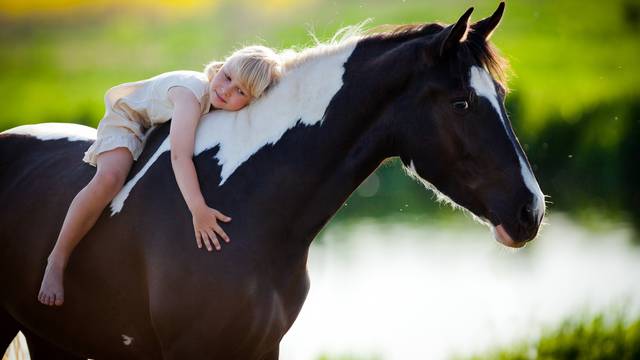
(430, 292)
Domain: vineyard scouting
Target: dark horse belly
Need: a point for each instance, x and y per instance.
(136, 286)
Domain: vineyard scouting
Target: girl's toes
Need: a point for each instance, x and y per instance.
(59, 300)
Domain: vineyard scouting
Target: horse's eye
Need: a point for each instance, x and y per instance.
(460, 105)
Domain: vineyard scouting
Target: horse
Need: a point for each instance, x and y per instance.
(139, 288)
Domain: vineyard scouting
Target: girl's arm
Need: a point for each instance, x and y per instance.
(186, 115)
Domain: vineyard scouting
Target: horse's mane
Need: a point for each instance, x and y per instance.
(489, 57)
(343, 38)
(482, 51)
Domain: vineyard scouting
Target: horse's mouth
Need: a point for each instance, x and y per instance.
(503, 237)
(500, 233)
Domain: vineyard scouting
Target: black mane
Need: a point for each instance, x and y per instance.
(482, 51)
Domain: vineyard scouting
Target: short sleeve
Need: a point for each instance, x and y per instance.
(197, 85)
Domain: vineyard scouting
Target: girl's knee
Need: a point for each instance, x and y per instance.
(110, 180)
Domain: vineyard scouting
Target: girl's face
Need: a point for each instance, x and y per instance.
(226, 93)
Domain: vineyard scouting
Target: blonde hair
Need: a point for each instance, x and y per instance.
(256, 68)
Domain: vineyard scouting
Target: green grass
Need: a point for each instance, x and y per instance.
(596, 338)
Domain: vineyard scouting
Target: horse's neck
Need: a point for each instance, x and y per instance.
(328, 159)
(319, 123)
(345, 153)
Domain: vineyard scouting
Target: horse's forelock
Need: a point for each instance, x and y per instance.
(488, 56)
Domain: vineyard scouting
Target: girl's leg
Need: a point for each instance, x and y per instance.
(86, 207)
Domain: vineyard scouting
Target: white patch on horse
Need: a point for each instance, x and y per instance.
(127, 340)
(55, 131)
(302, 96)
(482, 83)
(118, 201)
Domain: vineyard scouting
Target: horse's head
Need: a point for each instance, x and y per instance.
(456, 136)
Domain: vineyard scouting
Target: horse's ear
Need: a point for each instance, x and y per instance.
(486, 26)
(455, 34)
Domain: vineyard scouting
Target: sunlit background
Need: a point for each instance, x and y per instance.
(395, 275)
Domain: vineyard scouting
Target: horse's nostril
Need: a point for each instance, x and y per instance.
(525, 215)
(528, 221)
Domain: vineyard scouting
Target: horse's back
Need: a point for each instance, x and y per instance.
(46, 159)
(45, 151)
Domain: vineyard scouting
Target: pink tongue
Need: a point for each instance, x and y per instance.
(505, 239)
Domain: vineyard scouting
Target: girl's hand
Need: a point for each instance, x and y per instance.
(186, 114)
(205, 225)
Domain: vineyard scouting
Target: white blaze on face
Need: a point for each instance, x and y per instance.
(55, 131)
(301, 96)
(483, 84)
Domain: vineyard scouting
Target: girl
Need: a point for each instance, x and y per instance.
(131, 108)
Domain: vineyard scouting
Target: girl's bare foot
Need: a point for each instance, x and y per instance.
(51, 290)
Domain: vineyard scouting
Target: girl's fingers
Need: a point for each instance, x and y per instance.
(205, 239)
(199, 239)
(221, 216)
(221, 232)
(212, 241)
(214, 238)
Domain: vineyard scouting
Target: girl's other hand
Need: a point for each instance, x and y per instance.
(205, 225)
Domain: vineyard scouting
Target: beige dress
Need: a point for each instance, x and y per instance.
(132, 108)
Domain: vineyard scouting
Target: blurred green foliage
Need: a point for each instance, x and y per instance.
(574, 99)
(597, 338)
